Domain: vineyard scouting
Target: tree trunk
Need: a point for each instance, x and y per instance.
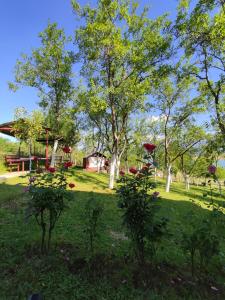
(187, 182)
(117, 168)
(112, 171)
(54, 150)
(98, 164)
(168, 178)
(30, 161)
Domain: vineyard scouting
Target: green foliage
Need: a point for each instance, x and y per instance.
(201, 241)
(47, 202)
(49, 71)
(6, 147)
(139, 212)
(201, 32)
(28, 127)
(220, 172)
(121, 51)
(92, 219)
(59, 271)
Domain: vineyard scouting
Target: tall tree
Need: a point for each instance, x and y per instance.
(49, 70)
(28, 127)
(193, 163)
(202, 35)
(120, 51)
(176, 108)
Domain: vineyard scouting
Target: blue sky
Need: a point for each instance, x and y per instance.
(20, 23)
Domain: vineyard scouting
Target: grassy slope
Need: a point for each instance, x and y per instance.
(62, 274)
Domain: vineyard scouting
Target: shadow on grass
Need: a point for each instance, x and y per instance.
(90, 178)
(20, 259)
(195, 193)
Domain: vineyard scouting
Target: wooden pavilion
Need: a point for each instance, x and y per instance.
(17, 160)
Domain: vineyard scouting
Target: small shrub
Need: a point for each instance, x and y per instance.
(139, 208)
(48, 192)
(92, 216)
(201, 242)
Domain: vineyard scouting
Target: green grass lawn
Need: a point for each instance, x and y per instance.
(65, 274)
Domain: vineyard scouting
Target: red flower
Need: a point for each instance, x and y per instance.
(149, 147)
(133, 170)
(68, 164)
(122, 173)
(71, 185)
(148, 165)
(35, 158)
(51, 170)
(67, 149)
(212, 169)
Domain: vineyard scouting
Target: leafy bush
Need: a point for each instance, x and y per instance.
(201, 242)
(144, 228)
(47, 202)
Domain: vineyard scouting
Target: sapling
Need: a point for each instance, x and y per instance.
(139, 207)
(48, 192)
(93, 221)
(200, 241)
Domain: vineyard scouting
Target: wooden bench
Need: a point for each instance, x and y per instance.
(12, 163)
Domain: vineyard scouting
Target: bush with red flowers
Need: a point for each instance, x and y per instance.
(211, 174)
(48, 192)
(139, 209)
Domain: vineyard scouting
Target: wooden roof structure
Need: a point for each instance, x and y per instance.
(7, 128)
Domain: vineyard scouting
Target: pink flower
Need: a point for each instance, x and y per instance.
(71, 185)
(212, 169)
(122, 173)
(149, 147)
(133, 170)
(51, 170)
